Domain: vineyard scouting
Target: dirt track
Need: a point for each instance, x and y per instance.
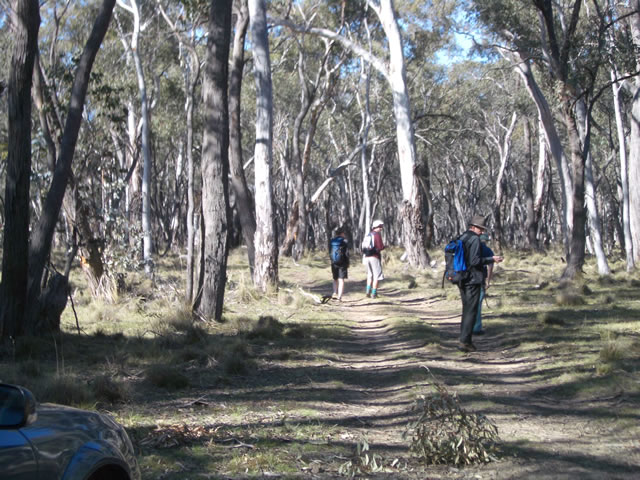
(541, 436)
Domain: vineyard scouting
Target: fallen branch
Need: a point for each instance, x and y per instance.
(313, 297)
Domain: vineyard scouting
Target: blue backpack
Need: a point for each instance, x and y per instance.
(339, 252)
(455, 264)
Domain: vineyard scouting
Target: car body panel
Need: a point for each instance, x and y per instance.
(65, 443)
(22, 464)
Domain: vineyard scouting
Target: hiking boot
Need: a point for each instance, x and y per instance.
(368, 294)
(467, 347)
(373, 295)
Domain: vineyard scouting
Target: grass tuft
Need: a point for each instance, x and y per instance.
(108, 390)
(550, 318)
(569, 299)
(297, 332)
(65, 390)
(585, 290)
(31, 369)
(613, 349)
(268, 328)
(167, 377)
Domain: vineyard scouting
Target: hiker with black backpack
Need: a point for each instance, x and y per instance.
(339, 262)
(372, 245)
(472, 279)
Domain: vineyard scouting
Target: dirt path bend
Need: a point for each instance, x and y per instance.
(542, 435)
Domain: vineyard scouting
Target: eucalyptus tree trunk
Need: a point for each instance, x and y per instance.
(538, 205)
(504, 149)
(634, 140)
(531, 218)
(556, 49)
(413, 206)
(576, 258)
(590, 189)
(132, 195)
(191, 76)
(25, 23)
(624, 172)
(147, 245)
(307, 93)
(523, 68)
(215, 164)
(265, 271)
(365, 113)
(244, 199)
(364, 222)
(191, 202)
(42, 235)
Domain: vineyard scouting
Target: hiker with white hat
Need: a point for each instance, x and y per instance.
(372, 245)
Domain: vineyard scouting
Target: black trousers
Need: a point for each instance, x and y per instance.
(470, 295)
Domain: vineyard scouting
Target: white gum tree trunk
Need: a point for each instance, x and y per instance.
(131, 6)
(634, 142)
(265, 273)
(414, 229)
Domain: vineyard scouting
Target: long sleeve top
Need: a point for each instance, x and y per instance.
(473, 257)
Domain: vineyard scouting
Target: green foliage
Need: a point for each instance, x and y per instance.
(445, 433)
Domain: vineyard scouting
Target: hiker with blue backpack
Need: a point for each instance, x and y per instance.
(339, 262)
(465, 268)
(372, 245)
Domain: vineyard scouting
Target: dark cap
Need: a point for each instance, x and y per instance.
(477, 221)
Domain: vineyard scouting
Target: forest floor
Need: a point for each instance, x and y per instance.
(294, 389)
(325, 380)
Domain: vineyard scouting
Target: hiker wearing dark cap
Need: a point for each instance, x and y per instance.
(471, 285)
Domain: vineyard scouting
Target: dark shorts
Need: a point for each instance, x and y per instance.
(339, 272)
